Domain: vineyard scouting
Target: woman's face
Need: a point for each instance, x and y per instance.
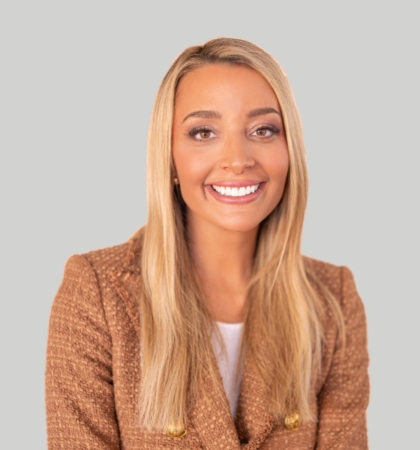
(229, 147)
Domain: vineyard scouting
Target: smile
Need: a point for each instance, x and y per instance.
(236, 191)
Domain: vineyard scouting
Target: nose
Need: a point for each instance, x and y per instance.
(237, 155)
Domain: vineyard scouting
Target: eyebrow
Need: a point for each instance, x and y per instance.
(262, 112)
(203, 114)
(206, 114)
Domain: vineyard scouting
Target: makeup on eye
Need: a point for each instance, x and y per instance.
(204, 133)
(268, 131)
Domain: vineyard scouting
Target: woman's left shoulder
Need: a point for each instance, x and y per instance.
(326, 273)
(338, 279)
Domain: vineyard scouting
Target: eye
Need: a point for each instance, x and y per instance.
(201, 134)
(266, 131)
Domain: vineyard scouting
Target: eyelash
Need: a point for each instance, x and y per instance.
(272, 128)
(197, 130)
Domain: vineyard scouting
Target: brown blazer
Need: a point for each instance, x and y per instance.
(93, 371)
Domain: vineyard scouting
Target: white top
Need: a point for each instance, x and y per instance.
(232, 336)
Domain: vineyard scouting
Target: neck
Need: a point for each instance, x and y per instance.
(223, 260)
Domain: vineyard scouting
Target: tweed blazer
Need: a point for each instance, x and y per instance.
(93, 371)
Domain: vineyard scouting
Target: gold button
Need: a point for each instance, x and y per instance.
(176, 431)
(292, 421)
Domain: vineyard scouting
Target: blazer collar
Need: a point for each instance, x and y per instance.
(127, 283)
(209, 415)
(126, 279)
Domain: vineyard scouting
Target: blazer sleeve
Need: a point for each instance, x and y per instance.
(78, 377)
(344, 398)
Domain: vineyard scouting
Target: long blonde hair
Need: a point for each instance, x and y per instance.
(285, 311)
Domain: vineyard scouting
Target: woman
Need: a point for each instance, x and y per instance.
(208, 328)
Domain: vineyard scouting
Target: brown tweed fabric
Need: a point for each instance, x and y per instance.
(93, 371)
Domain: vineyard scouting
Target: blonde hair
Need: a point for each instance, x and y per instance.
(285, 311)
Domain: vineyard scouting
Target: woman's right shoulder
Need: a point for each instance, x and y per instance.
(118, 258)
(100, 274)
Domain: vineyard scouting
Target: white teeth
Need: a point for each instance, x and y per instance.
(234, 191)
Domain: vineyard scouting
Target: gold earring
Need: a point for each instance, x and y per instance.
(176, 181)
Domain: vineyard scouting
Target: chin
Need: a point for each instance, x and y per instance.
(239, 226)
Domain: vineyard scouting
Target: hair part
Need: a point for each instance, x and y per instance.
(175, 348)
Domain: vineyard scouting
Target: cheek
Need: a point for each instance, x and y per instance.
(192, 166)
(281, 170)
(277, 167)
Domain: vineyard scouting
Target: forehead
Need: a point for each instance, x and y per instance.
(224, 85)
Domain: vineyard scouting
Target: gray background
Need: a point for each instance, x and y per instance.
(77, 83)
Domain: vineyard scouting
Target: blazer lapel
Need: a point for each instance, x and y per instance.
(127, 283)
(253, 420)
(211, 417)
(253, 423)
(126, 279)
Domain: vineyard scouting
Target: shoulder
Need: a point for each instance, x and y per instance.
(338, 280)
(88, 276)
(120, 258)
(99, 286)
(324, 274)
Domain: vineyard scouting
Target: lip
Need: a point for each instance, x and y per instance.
(235, 183)
(236, 200)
